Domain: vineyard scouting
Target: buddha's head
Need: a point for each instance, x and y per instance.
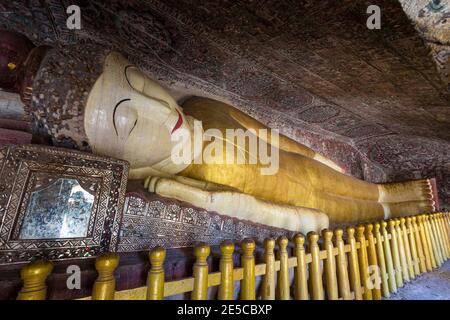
(99, 101)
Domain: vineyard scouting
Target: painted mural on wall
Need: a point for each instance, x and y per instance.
(432, 20)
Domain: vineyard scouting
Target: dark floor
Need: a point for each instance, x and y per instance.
(433, 285)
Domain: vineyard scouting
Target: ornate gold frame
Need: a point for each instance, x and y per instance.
(19, 166)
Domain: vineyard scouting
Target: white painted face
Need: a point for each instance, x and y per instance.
(129, 116)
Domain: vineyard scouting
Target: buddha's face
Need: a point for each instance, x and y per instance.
(130, 116)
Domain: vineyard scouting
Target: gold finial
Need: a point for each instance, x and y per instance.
(105, 285)
(248, 246)
(155, 277)
(107, 262)
(34, 276)
(227, 247)
(350, 232)
(402, 221)
(369, 228)
(283, 243)
(391, 223)
(360, 230)
(338, 233)
(157, 256)
(376, 227)
(408, 221)
(313, 237)
(299, 240)
(201, 252)
(327, 235)
(269, 244)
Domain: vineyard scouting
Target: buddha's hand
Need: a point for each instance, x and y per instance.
(239, 205)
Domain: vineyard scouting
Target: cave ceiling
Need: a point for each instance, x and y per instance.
(375, 101)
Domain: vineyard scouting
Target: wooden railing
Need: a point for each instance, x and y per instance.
(372, 262)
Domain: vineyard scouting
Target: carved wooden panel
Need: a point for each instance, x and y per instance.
(58, 204)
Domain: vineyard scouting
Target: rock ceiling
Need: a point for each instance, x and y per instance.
(375, 101)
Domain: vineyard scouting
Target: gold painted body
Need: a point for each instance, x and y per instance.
(130, 116)
(301, 180)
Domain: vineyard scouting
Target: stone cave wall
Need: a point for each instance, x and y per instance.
(372, 102)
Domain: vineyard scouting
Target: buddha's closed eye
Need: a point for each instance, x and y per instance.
(124, 119)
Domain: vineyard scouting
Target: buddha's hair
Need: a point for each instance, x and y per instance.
(60, 91)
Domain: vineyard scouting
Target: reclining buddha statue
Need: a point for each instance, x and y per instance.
(101, 102)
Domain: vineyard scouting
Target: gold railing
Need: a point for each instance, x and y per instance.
(372, 262)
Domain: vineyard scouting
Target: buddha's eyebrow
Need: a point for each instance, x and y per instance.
(126, 76)
(114, 115)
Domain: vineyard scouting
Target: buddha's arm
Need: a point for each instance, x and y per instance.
(240, 205)
(284, 143)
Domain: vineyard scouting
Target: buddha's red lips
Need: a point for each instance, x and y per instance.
(179, 122)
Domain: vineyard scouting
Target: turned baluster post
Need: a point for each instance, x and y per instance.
(396, 254)
(283, 274)
(200, 291)
(445, 234)
(390, 267)
(381, 261)
(155, 277)
(105, 285)
(34, 276)
(435, 234)
(401, 251)
(226, 287)
(341, 263)
(329, 266)
(425, 244)
(431, 244)
(373, 263)
(268, 283)
(248, 265)
(439, 237)
(300, 276)
(315, 272)
(440, 217)
(419, 245)
(363, 262)
(412, 245)
(355, 277)
(407, 248)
